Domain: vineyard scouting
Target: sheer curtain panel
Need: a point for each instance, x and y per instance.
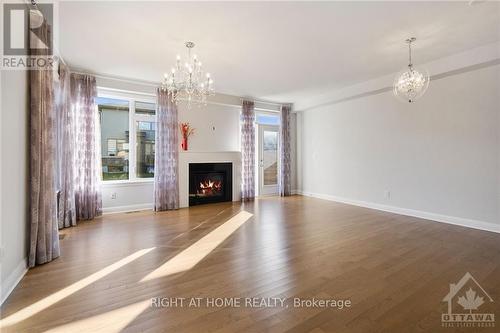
(166, 183)
(284, 179)
(65, 151)
(247, 151)
(87, 178)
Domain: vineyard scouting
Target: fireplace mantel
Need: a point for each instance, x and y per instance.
(186, 157)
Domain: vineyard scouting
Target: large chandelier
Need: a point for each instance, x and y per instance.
(187, 80)
(410, 84)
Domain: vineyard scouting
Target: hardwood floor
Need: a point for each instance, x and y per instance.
(395, 270)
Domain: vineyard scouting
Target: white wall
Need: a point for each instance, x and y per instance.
(439, 155)
(216, 127)
(14, 181)
(125, 197)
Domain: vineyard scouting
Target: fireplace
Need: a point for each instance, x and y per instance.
(210, 182)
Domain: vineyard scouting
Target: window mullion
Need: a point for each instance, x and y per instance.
(132, 141)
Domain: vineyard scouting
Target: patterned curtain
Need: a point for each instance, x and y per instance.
(65, 151)
(247, 151)
(44, 234)
(166, 185)
(87, 178)
(284, 154)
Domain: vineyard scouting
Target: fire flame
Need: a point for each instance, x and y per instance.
(209, 187)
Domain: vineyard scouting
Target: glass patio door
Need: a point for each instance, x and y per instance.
(268, 159)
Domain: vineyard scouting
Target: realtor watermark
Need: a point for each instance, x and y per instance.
(249, 302)
(27, 37)
(466, 301)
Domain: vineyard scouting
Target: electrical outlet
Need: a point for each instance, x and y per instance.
(387, 194)
(113, 195)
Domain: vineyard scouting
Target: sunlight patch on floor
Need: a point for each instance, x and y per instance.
(109, 322)
(50, 300)
(189, 257)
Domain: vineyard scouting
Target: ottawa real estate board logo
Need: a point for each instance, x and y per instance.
(27, 36)
(469, 305)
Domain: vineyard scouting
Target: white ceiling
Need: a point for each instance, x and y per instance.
(281, 51)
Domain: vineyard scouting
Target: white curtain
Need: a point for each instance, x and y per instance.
(247, 151)
(87, 177)
(284, 179)
(166, 183)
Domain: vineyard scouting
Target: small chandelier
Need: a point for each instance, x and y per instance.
(410, 84)
(188, 81)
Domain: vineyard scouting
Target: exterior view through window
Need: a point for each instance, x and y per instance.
(127, 138)
(145, 127)
(114, 117)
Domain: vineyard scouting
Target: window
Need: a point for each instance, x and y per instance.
(145, 127)
(127, 138)
(145, 144)
(267, 119)
(114, 117)
(270, 157)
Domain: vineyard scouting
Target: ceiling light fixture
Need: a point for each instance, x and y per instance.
(411, 84)
(188, 81)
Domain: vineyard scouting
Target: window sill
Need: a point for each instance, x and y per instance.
(119, 183)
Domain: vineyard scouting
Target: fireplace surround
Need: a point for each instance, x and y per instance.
(210, 182)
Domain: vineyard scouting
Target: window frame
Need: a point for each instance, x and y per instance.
(132, 141)
(267, 113)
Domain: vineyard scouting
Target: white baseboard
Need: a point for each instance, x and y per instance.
(463, 222)
(13, 279)
(126, 209)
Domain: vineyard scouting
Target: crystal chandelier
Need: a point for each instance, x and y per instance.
(411, 83)
(187, 80)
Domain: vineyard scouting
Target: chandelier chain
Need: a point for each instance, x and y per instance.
(409, 54)
(409, 41)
